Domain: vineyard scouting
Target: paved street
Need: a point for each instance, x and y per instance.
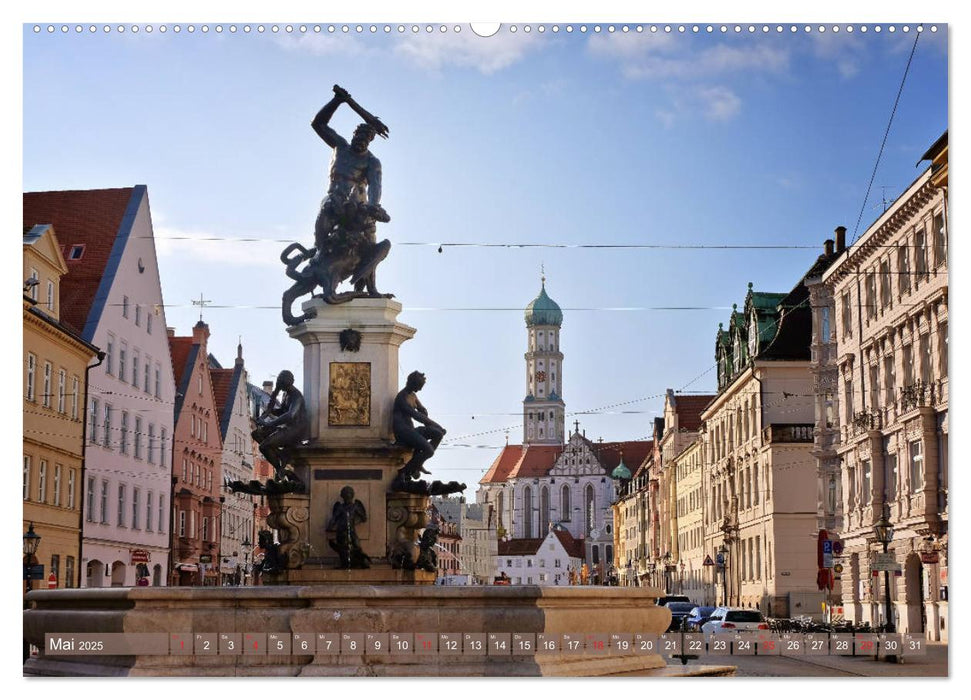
(933, 664)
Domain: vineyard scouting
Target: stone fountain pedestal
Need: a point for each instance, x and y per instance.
(282, 611)
(350, 370)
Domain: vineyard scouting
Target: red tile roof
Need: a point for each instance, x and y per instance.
(520, 547)
(536, 461)
(573, 547)
(634, 452)
(515, 461)
(179, 349)
(89, 217)
(689, 409)
(222, 385)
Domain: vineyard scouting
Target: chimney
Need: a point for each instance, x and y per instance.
(170, 331)
(840, 239)
(828, 247)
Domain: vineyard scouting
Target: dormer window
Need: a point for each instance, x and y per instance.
(76, 252)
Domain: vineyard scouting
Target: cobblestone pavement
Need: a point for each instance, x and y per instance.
(933, 664)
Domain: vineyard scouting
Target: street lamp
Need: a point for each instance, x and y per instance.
(247, 547)
(667, 572)
(723, 551)
(31, 541)
(883, 531)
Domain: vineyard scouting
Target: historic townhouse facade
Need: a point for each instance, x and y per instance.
(236, 533)
(477, 538)
(884, 302)
(759, 475)
(197, 464)
(55, 372)
(693, 574)
(682, 420)
(631, 523)
(554, 560)
(112, 296)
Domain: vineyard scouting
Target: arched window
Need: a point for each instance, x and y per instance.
(527, 512)
(590, 509)
(566, 508)
(544, 511)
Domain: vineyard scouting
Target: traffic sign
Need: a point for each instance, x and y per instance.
(708, 561)
(52, 580)
(34, 572)
(837, 548)
(720, 558)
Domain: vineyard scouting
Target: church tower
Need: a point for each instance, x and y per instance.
(543, 407)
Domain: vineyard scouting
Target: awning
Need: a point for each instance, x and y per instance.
(186, 567)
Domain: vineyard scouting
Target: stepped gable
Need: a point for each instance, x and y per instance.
(99, 220)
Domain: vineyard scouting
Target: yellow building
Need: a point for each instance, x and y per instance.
(55, 359)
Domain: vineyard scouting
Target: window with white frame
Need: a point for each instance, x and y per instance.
(121, 504)
(138, 437)
(75, 397)
(104, 502)
(123, 444)
(50, 295)
(26, 477)
(89, 505)
(71, 478)
(122, 363)
(135, 508)
(42, 482)
(61, 390)
(56, 496)
(31, 372)
(134, 368)
(149, 497)
(48, 369)
(916, 466)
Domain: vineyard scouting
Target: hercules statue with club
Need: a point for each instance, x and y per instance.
(345, 244)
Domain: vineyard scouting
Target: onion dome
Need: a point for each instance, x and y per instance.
(543, 311)
(620, 472)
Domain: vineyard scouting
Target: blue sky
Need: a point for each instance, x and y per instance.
(554, 138)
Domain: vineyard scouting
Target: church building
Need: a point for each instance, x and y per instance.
(554, 479)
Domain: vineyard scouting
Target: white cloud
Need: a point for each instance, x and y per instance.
(465, 49)
(846, 51)
(665, 56)
(715, 103)
(718, 103)
(324, 44)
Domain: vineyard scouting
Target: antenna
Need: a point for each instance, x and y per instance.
(201, 302)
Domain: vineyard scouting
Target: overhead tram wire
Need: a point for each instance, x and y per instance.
(886, 134)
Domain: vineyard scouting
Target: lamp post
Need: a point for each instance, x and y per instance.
(681, 579)
(667, 572)
(883, 531)
(31, 541)
(723, 551)
(247, 547)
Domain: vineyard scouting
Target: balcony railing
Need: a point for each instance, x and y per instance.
(792, 432)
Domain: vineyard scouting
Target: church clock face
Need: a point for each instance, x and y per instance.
(541, 376)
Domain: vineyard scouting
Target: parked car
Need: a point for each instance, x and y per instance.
(726, 619)
(699, 616)
(665, 599)
(679, 613)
